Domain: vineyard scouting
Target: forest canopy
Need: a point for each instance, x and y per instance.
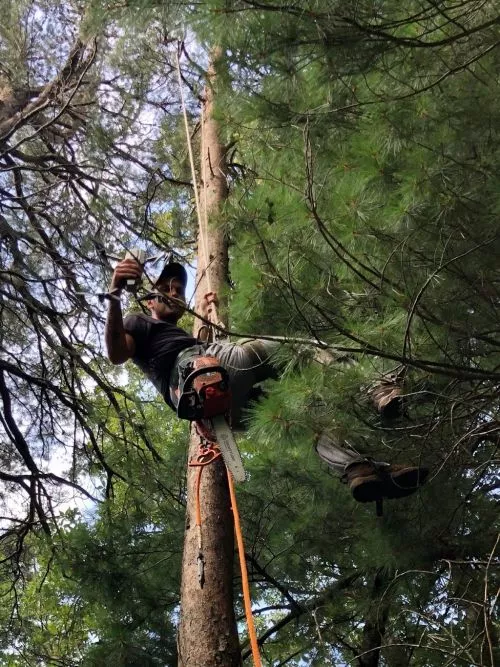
(362, 145)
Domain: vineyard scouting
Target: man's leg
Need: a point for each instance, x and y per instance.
(369, 480)
(247, 363)
(251, 362)
(336, 456)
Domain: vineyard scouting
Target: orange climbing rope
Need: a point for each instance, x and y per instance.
(205, 456)
(244, 574)
(207, 452)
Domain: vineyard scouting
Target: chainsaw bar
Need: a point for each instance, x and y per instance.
(228, 448)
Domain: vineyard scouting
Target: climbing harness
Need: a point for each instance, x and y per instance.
(200, 392)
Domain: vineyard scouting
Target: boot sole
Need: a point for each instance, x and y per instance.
(399, 484)
(367, 489)
(403, 483)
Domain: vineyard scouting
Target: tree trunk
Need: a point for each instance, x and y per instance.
(207, 632)
(375, 623)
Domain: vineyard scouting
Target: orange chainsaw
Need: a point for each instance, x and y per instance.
(203, 395)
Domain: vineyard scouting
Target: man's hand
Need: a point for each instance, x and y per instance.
(126, 269)
(120, 344)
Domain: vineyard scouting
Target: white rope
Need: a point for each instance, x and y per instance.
(203, 230)
(204, 160)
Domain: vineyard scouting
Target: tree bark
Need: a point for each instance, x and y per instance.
(207, 632)
(375, 623)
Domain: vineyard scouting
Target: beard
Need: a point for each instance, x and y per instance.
(167, 309)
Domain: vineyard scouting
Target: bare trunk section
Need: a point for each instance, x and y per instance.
(207, 632)
(375, 622)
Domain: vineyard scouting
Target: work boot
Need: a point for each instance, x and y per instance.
(387, 399)
(370, 481)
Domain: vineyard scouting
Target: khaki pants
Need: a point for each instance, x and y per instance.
(251, 361)
(247, 363)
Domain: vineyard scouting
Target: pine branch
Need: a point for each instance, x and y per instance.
(329, 595)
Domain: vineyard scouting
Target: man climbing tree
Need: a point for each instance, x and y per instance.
(158, 347)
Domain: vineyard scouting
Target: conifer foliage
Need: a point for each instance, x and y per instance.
(362, 214)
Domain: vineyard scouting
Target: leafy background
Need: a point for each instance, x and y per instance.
(363, 153)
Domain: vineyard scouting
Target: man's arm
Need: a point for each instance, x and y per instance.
(119, 344)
